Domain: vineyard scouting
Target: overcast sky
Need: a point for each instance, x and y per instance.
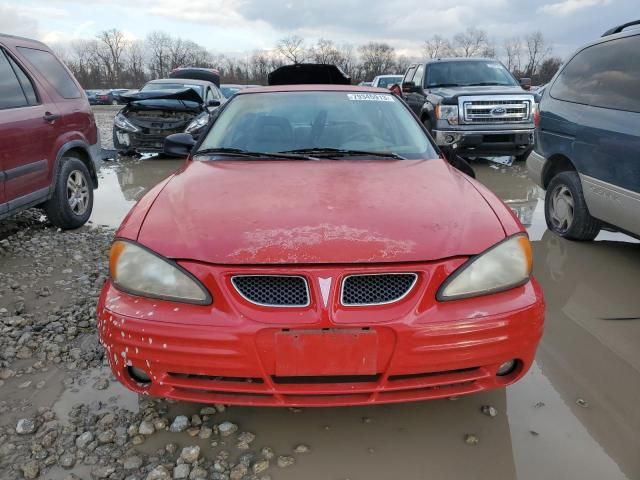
(233, 26)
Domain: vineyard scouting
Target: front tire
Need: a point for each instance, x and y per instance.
(72, 200)
(566, 211)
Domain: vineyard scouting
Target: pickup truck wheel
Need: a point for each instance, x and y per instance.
(72, 200)
(566, 211)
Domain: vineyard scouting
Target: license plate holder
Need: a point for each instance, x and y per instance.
(326, 352)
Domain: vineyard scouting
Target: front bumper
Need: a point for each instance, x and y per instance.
(535, 167)
(449, 349)
(487, 142)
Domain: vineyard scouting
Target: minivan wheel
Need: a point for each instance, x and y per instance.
(566, 211)
(72, 200)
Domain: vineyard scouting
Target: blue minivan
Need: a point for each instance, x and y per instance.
(587, 153)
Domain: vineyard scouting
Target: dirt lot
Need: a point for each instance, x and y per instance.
(62, 415)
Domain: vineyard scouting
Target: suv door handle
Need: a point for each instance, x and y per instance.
(50, 117)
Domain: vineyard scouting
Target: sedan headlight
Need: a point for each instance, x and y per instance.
(197, 123)
(503, 266)
(448, 113)
(123, 123)
(139, 271)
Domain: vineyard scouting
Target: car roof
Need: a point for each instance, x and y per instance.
(14, 40)
(610, 36)
(313, 88)
(181, 80)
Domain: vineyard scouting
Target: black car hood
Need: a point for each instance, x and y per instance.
(182, 94)
(452, 93)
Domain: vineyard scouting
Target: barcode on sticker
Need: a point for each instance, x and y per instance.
(369, 97)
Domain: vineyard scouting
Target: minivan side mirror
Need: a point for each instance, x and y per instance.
(525, 83)
(213, 103)
(408, 87)
(178, 144)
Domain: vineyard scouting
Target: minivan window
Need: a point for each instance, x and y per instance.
(11, 94)
(605, 75)
(51, 68)
(25, 82)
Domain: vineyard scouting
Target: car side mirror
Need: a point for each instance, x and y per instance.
(178, 144)
(408, 87)
(213, 103)
(525, 83)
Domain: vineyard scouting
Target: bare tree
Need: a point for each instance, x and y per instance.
(437, 47)
(471, 43)
(292, 48)
(325, 51)
(537, 52)
(547, 70)
(376, 59)
(111, 54)
(134, 64)
(158, 46)
(513, 53)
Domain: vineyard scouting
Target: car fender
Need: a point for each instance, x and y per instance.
(91, 153)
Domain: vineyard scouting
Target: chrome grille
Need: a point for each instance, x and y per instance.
(496, 110)
(273, 290)
(376, 289)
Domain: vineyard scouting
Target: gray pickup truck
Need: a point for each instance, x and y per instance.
(473, 106)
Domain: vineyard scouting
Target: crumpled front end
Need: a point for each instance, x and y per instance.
(143, 125)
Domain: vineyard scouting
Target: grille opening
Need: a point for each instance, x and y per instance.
(214, 378)
(222, 393)
(325, 379)
(410, 376)
(273, 290)
(376, 289)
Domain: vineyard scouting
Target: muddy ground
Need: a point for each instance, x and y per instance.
(574, 416)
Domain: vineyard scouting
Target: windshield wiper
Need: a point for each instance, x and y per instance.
(238, 152)
(328, 152)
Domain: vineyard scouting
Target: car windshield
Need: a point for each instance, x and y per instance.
(171, 86)
(317, 123)
(468, 73)
(386, 82)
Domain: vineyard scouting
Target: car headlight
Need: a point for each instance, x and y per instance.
(138, 271)
(123, 123)
(505, 265)
(448, 113)
(197, 123)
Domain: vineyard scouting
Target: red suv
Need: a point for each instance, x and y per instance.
(49, 144)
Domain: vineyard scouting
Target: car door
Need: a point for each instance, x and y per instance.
(24, 135)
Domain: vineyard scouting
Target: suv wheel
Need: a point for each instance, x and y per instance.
(114, 102)
(72, 200)
(566, 211)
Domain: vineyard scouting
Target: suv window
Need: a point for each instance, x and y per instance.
(53, 71)
(419, 76)
(25, 82)
(11, 94)
(605, 75)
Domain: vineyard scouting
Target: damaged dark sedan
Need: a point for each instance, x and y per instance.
(161, 108)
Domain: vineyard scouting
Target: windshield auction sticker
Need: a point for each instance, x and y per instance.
(369, 97)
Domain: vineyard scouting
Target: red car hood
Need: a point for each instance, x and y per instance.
(285, 212)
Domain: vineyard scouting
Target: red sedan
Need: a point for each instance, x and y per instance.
(315, 250)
